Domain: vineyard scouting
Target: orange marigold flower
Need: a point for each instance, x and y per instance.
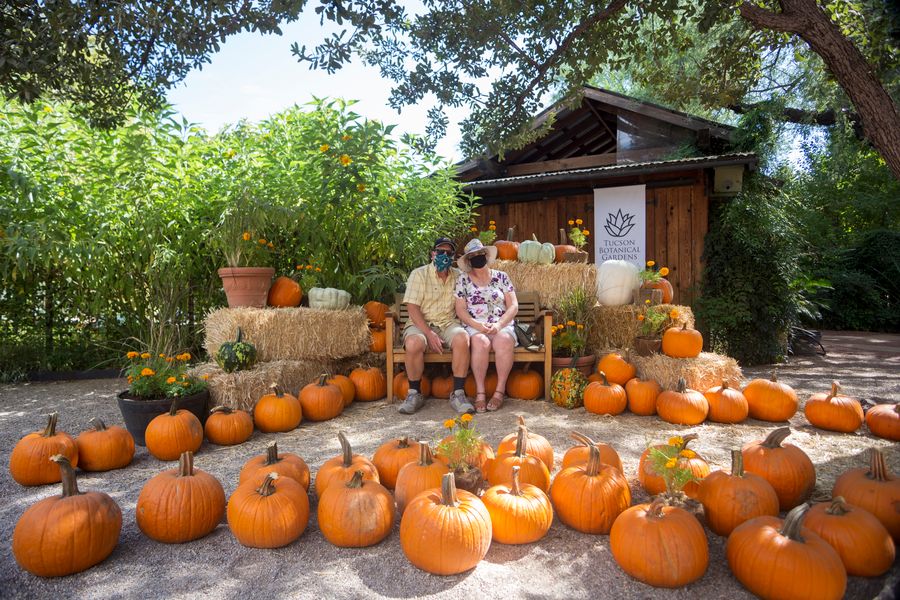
(262, 241)
(580, 326)
(571, 222)
(132, 354)
(491, 223)
(318, 270)
(169, 359)
(664, 271)
(641, 317)
(345, 160)
(345, 137)
(676, 441)
(246, 236)
(449, 423)
(324, 148)
(170, 380)
(687, 453)
(585, 232)
(161, 355)
(204, 377)
(130, 379)
(466, 418)
(299, 267)
(270, 246)
(148, 372)
(308, 267)
(578, 221)
(492, 227)
(570, 323)
(651, 263)
(670, 464)
(673, 314)
(145, 355)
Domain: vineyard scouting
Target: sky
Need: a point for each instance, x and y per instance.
(253, 76)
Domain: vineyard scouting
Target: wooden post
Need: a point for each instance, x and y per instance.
(548, 354)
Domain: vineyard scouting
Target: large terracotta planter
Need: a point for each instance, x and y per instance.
(585, 364)
(138, 413)
(246, 286)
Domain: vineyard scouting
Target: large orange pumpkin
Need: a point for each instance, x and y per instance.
(525, 383)
(341, 468)
(682, 406)
(29, 462)
(581, 454)
(834, 411)
(228, 427)
(379, 340)
(180, 505)
(277, 411)
(417, 477)
(392, 456)
(617, 369)
(682, 343)
(348, 390)
(104, 448)
(401, 385)
(442, 385)
(883, 420)
(490, 384)
(673, 550)
(66, 534)
(588, 498)
(375, 313)
(520, 513)
(687, 459)
(771, 400)
(285, 292)
(642, 396)
(370, 384)
(785, 466)
(321, 401)
(507, 249)
(862, 542)
(726, 405)
(875, 489)
(605, 398)
(445, 531)
(269, 516)
(532, 469)
(537, 445)
(782, 559)
(285, 464)
(731, 499)
(170, 434)
(356, 514)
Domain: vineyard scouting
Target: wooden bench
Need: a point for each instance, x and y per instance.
(529, 312)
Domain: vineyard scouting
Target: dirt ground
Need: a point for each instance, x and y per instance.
(564, 564)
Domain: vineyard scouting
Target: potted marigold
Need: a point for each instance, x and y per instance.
(155, 381)
(652, 320)
(578, 235)
(653, 278)
(465, 453)
(239, 237)
(571, 332)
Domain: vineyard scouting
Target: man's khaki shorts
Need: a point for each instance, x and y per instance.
(446, 334)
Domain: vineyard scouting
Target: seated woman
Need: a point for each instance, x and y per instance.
(486, 304)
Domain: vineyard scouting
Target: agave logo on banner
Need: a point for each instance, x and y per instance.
(620, 223)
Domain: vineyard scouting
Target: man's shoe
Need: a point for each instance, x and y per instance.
(460, 403)
(414, 401)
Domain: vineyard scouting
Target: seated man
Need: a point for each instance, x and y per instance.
(433, 326)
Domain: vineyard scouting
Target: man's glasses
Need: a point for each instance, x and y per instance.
(444, 252)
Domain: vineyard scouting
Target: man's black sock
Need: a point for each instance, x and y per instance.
(459, 383)
(415, 385)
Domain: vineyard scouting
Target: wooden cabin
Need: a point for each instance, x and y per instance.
(608, 149)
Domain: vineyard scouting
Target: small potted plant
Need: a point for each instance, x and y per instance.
(155, 381)
(571, 331)
(238, 235)
(463, 451)
(671, 462)
(654, 279)
(578, 235)
(652, 321)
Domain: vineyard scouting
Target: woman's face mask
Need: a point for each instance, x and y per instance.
(442, 260)
(478, 261)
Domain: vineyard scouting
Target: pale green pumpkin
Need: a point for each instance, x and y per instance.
(532, 251)
(329, 298)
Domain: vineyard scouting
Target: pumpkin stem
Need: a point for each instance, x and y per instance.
(69, 484)
(654, 511)
(603, 377)
(775, 438)
(323, 380)
(346, 450)
(688, 439)
(793, 522)
(534, 237)
(509, 234)
(356, 481)
(682, 385)
(774, 377)
(186, 464)
(98, 424)
(403, 442)
(272, 454)
(520, 441)
(521, 420)
(737, 463)
(425, 456)
(222, 409)
(173, 410)
(514, 489)
(835, 389)
(240, 336)
(448, 490)
(50, 430)
(268, 485)
(724, 386)
(877, 467)
(276, 389)
(838, 506)
(562, 236)
(594, 464)
(582, 439)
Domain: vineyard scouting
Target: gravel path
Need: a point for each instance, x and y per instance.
(564, 564)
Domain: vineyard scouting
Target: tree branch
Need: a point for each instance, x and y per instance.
(825, 118)
(770, 20)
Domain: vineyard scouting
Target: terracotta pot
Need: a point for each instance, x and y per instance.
(645, 345)
(246, 286)
(579, 256)
(585, 364)
(138, 412)
(471, 480)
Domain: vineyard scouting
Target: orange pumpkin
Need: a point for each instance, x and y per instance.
(285, 292)
(770, 400)
(687, 459)
(66, 534)
(532, 469)
(442, 386)
(370, 384)
(682, 406)
(392, 456)
(228, 427)
(782, 559)
(537, 445)
(401, 385)
(663, 284)
(605, 398)
(507, 249)
(525, 383)
(348, 390)
(170, 434)
(357, 514)
(29, 462)
(731, 499)
(642, 395)
(785, 466)
(375, 313)
(874, 489)
(834, 411)
(379, 340)
(180, 505)
(581, 454)
(271, 515)
(520, 513)
(490, 384)
(104, 448)
(285, 464)
(417, 477)
(277, 411)
(682, 343)
(726, 405)
(588, 498)
(341, 468)
(445, 531)
(562, 248)
(617, 369)
(883, 420)
(862, 542)
(321, 401)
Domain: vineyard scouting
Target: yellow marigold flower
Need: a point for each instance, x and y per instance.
(262, 241)
(640, 317)
(670, 464)
(132, 354)
(687, 453)
(491, 223)
(324, 148)
(664, 271)
(170, 380)
(570, 323)
(345, 160)
(361, 187)
(585, 232)
(673, 314)
(161, 355)
(646, 302)
(571, 222)
(651, 263)
(186, 355)
(148, 372)
(578, 221)
(492, 227)
(246, 236)
(145, 355)
(580, 326)
(345, 137)
(466, 418)
(449, 423)
(676, 441)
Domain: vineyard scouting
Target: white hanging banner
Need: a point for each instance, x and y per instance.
(620, 224)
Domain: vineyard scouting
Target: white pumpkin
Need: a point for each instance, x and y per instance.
(328, 298)
(532, 251)
(616, 281)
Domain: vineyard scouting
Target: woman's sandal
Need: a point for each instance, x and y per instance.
(496, 402)
(480, 404)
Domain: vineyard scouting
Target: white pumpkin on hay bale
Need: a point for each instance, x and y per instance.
(616, 282)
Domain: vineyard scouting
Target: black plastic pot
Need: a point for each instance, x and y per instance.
(138, 413)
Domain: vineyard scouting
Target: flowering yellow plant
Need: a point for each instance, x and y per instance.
(487, 236)
(667, 462)
(577, 235)
(161, 376)
(463, 445)
(651, 273)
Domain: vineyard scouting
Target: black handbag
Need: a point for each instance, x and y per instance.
(526, 338)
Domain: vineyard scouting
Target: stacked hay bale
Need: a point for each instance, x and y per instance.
(701, 373)
(615, 327)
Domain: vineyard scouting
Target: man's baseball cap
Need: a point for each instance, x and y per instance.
(444, 241)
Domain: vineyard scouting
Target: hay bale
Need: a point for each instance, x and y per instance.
(552, 281)
(616, 326)
(701, 373)
(292, 333)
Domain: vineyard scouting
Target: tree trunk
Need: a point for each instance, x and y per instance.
(878, 114)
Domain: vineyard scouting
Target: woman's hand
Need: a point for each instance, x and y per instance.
(490, 328)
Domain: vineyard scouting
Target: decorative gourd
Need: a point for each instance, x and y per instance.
(520, 513)
(445, 531)
(285, 464)
(104, 448)
(417, 477)
(490, 384)
(862, 542)
(771, 400)
(682, 406)
(341, 468)
(834, 411)
(782, 559)
(664, 285)
(874, 489)
(285, 292)
(375, 313)
(588, 498)
(442, 385)
(348, 390)
(237, 355)
(277, 411)
(581, 454)
(507, 249)
(642, 395)
(682, 343)
(356, 514)
(370, 384)
(616, 281)
(785, 466)
(227, 427)
(272, 515)
(604, 398)
(180, 505)
(532, 469)
(401, 385)
(537, 444)
(525, 383)
(883, 420)
(731, 499)
(532, 251)
(329, 298)
(392, 456)
(29, 462)
(617, 369)
(379, 340)
(687, 459)
(321, 401)
(726, 405)
(673, 550)
(567, 388)
(560, 249)
(170, 434)
(69, 533)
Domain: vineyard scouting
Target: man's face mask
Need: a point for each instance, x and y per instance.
(442, 259)
(478, 261)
